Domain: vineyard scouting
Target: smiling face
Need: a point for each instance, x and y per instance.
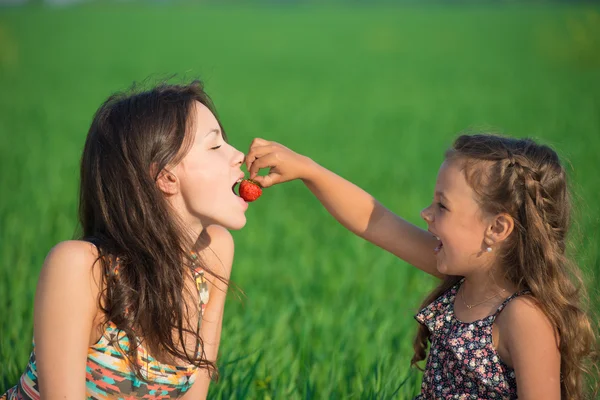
(458, 221)
(206, 176)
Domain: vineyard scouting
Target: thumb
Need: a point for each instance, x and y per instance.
(266, 180)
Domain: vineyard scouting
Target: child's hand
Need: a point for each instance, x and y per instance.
(284, 164)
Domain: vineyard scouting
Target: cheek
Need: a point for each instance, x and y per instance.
(467, 243)
(200, 186)
(459, 239)
(205, 172)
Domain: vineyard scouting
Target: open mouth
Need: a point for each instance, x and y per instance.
(235, 187)
(440, 245)
(438, 248)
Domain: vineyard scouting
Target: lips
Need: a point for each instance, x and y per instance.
(440, 245)
(236, 183)
(438, 248)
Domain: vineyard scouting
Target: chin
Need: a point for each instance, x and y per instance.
(451, 270)
(231, 224)
(442, 269)
(238, 226)
(235, 225)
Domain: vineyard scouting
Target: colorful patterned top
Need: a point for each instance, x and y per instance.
(108, 375)
(462, 362)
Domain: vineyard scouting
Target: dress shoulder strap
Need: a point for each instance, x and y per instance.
(201, 283)
(509, 299)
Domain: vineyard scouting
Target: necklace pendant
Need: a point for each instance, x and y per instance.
(469, 306)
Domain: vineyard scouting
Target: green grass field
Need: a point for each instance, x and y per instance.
(376, 94)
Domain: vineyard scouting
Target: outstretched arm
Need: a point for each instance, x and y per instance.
(350, 205)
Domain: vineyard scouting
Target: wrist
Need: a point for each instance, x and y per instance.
(309, 171)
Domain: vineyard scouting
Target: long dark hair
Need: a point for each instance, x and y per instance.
(527, 181)
(132, 138)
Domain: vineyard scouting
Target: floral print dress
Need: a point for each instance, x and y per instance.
(462, 362)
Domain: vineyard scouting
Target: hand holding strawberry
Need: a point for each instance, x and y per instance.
(284, 165)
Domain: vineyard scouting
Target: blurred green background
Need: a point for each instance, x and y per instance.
(376, 93)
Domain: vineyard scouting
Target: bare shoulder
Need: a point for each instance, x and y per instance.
(525, 311)
(220, 239)
(71, 256)
(73, 249)
(532, 348)
(70, 261)
(220, 250)
(68, 285)
(524, 323)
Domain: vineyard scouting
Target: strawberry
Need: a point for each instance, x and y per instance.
(250, 190)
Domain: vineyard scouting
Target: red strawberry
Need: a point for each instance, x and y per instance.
(250, 190)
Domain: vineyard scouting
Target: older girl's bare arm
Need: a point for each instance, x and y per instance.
(64, 313)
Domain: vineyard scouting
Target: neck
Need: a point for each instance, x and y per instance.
(485, 283)
(195, 235)
(192, 226)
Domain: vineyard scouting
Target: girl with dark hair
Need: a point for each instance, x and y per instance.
(133, 309)
(509, 318)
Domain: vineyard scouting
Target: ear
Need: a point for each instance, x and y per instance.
(500, 228)
(167, 182)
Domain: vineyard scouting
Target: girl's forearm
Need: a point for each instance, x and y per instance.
(350, 205)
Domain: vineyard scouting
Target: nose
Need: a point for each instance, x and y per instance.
(238, 157)
(427, 215)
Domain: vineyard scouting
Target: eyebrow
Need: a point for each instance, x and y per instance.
(441, 194)
(215, 131)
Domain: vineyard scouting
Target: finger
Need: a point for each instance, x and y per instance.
(259, 142)
(255, 143)
(267, 180)
(267, 161)
(258, 152)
